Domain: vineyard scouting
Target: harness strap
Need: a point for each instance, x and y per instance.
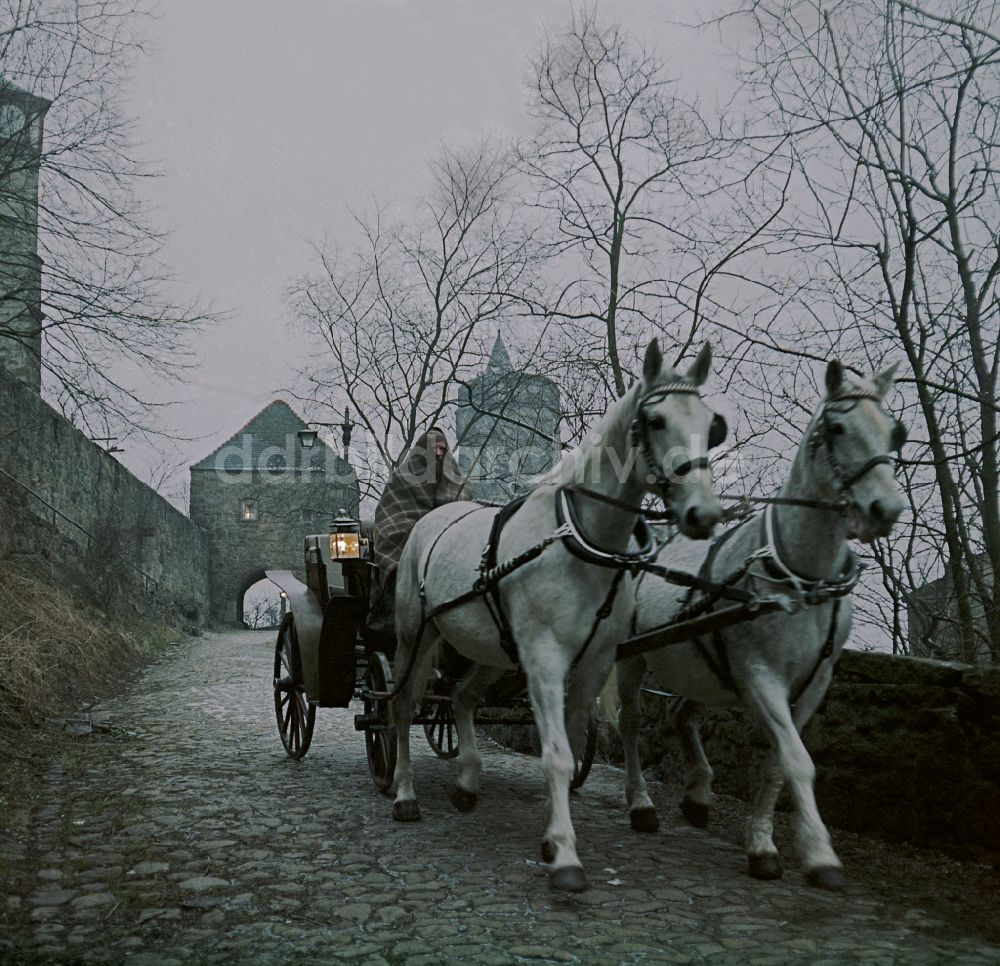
(603, 612)
(719, 665)
(428, 615)
(825, 652)
(489, 577)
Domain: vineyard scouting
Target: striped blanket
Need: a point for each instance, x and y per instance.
(427, 477)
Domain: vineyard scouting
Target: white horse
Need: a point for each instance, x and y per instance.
(561, 609)
(840, 487)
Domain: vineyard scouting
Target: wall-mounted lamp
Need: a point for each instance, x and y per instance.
(307, 437)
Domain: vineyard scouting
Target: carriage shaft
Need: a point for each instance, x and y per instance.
(688, 630)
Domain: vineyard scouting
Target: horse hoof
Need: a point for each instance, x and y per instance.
(568, 878)
(548, 851)
(462, 800)
(406, 811)
(644, 820)
(695, 812)
(829, 877)
(765, 866)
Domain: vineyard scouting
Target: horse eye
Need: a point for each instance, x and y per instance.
(837, 429)
(656, 421)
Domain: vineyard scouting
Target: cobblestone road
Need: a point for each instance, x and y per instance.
(185, 835)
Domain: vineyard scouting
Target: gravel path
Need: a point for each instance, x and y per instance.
(183, 834)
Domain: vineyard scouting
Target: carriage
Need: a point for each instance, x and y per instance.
(840, 487)
(325, 657)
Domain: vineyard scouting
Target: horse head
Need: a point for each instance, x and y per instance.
(672, 429)
(851, 442)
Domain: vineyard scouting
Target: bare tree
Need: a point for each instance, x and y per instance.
(623, 169)
(892, 113)
(104, 332)
(404, 319)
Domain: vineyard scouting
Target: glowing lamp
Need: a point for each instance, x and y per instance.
(345, 539)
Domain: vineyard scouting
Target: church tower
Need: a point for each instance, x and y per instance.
(508, 427)
(21, 118)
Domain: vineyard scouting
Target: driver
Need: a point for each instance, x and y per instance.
(426, 477)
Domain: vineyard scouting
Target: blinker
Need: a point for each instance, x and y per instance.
(717, 431)
(899, 435)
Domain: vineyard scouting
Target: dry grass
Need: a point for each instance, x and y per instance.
(55, 654)
(52, 650)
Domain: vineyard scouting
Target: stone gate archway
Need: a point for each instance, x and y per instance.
(258, 495)
(250, 577)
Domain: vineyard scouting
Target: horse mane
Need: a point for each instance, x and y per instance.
(567, 470)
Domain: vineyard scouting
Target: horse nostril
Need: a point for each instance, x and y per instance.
(883, 513)
(699, 519)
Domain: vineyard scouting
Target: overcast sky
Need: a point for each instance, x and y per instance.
(269, 119)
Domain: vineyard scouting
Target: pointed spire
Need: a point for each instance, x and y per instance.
(499, 360)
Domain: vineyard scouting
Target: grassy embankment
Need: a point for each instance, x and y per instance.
(57, 654)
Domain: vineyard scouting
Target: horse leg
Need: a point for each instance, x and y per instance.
(464, 701)
(546, 687)
(641, 811)
(697, 801)
(405, 807)
(789, 760)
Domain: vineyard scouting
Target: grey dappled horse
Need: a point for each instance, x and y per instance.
(780, 659)
(551, 603)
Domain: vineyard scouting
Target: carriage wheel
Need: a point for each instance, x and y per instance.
(439, 721)
(581, 768)
(380, 739)
(296, 714)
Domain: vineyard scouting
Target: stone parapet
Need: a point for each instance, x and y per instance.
(904, 747)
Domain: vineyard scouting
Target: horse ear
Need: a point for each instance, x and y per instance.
(701, 366)
(884, 380)
(652, 364)
(834, 377)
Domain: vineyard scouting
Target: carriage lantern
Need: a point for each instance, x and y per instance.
(345, 538)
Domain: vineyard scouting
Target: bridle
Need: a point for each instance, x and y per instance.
(824, 437)
(639, 430)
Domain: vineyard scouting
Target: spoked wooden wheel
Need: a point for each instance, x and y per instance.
(380, 736)
(439, 721)
(581, 767)
(296, 714)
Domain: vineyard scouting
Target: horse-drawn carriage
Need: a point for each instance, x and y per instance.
(325, 657)
(564, 548)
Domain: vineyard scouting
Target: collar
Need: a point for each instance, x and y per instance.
(811, 589)
(576, 541)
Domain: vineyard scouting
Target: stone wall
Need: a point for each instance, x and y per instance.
(126, 536)
(907, 748)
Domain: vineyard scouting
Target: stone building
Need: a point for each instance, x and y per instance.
(933, 624)
(258, 495)
(508, 427)
(21, 119)
(252, 500)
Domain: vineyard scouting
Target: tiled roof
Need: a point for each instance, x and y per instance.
(274, 428)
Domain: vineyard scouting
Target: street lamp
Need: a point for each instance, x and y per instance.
(307, 437)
